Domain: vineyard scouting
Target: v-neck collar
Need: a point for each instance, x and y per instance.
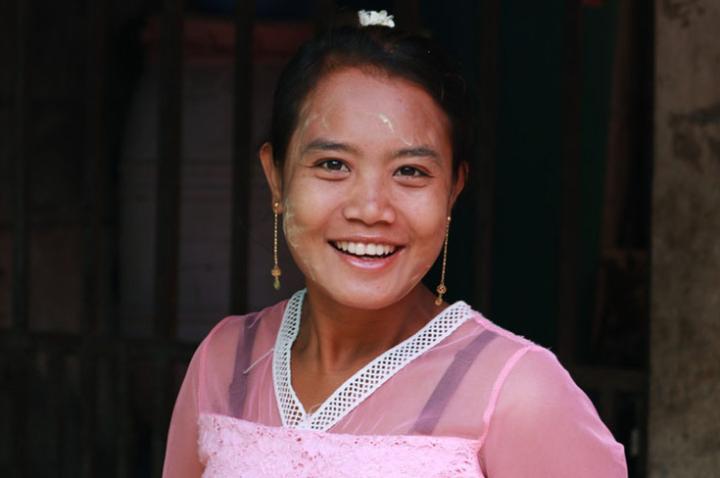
(363, 382)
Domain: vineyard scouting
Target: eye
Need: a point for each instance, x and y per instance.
(333, 165)
(410, 171)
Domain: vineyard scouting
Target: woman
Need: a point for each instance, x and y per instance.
(366, 372)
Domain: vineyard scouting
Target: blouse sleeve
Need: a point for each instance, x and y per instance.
(544, 426)
(181, 457)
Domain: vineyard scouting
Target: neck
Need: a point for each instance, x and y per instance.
(336, 338)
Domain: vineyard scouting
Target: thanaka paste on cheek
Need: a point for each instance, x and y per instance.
(292, 231)
(290, 227)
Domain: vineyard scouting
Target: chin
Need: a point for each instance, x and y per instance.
(370, 298)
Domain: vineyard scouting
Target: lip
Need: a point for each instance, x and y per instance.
(369, 239)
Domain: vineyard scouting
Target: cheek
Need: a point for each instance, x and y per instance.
(295, 230)
(428, 252)
(303, 213)
(290, 226)
(427, 217)
(427, 213)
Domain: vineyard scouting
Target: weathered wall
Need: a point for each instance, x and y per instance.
(684, 422)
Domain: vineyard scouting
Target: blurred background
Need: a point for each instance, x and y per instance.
(134, 214)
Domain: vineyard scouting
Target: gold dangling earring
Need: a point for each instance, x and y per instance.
(275, 272)
(441, 288)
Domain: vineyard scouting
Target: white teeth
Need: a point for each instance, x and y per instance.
(365, 249)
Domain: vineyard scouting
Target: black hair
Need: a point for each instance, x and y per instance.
(377, 48)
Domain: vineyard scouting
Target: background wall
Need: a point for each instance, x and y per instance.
(684, 426)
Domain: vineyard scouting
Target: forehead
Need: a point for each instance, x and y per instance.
(361, 101)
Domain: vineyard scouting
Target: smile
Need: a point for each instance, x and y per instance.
(364, 249)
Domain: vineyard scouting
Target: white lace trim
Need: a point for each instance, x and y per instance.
(365, 381)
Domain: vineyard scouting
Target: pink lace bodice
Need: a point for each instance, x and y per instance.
(461, 397)
(232, 447)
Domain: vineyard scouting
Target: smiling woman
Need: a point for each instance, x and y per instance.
(366, 372)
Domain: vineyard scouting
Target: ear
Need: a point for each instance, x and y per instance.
(273, 175)
(459, 184)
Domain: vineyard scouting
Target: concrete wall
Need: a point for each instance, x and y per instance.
(684, 421)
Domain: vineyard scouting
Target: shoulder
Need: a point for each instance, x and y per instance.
(527, 377)
(536, 405)
(214, 364)
(532, 372)
(234, 324)
(539, 382)
(506, 348)
(226, 335)
(504, 335)
(534, 393)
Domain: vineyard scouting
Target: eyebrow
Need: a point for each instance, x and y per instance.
(420, 151)
(322, 144)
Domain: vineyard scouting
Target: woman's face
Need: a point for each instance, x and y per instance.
(366, 187)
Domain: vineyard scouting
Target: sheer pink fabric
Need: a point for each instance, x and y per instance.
(481, 402)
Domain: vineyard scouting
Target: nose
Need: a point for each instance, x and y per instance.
(370, 201)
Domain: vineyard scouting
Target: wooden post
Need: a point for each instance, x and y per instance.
(242, 156)
(21, 242)
(98, 191)
(167, 223)
(570, 203)
(94, 426)
(483, 194)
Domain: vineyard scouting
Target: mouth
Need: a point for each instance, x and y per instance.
(365, 250)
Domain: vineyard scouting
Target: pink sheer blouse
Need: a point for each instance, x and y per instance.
(460, 398)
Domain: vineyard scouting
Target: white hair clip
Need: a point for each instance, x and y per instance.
(371, 17)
